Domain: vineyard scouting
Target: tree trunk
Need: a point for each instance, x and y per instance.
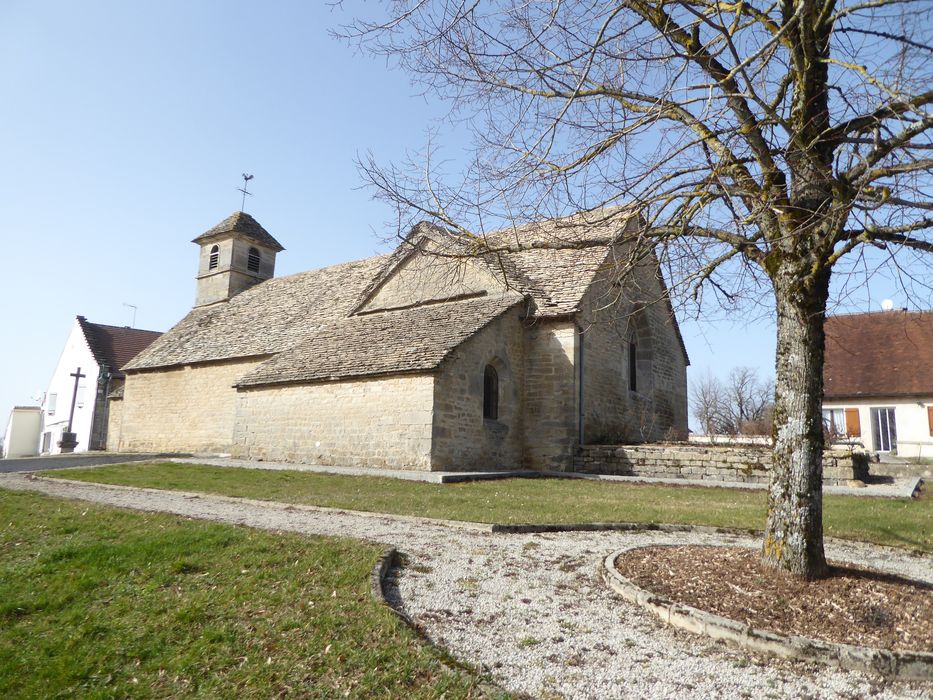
(794, 532)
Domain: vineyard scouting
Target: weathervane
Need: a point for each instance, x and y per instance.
(246, 178)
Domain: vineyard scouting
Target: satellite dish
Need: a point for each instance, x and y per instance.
(887, 305)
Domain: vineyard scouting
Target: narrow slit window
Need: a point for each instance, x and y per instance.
(490, 393)
(214, 259)
(252, 261)
(632, 366)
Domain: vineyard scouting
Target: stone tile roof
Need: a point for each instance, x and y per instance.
(390, 342)
(115, 346)
(283, 315)
(243, 223)
(265, 319)
(554, 261)
(879, 354)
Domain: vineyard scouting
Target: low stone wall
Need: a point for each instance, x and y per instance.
(712, 463)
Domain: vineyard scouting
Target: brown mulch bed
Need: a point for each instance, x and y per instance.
(851, 606)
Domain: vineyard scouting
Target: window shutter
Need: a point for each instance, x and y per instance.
(930, 419)
(853, 427)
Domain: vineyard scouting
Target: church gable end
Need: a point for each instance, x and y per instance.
(424, 276)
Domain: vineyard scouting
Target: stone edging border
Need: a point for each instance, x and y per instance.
(897, 665)
(390, 559)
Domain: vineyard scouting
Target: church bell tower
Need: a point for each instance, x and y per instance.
(235, 254)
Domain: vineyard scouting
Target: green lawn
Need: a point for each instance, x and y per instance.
(900, 523)
(105, 603)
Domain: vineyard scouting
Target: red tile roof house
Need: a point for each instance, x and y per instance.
(878, 380)
(100, 352)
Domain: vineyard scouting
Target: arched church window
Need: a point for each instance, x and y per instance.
(490, 393)
(214, 259)
(252, 261)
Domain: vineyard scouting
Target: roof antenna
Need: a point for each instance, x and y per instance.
(246, 178)
(134, 313)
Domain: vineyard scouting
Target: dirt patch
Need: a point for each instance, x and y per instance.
(851, 606)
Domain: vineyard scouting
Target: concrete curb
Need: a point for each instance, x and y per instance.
(528, 529)
(390, 558)
(895, 665)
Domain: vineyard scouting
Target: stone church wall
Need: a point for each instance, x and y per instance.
(551, 408)
(610, 318)
(114, 424)
(463, 439)
(374, 422)
(184, 409)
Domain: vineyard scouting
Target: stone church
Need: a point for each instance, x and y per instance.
(432, 357)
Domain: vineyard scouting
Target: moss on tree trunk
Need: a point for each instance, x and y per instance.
(794, 533)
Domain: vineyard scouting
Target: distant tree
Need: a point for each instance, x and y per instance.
(741, 405)
(706, 399)
(762, 144)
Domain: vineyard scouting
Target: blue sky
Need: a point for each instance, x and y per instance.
(125, 126)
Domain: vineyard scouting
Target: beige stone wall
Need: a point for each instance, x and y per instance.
(551, 409)
(184, 409)
(611, 317)
(114, 424)
(463, 440)
(735, 464)
(376, 422)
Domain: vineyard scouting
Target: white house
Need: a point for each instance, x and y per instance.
(878, 380)
(93, 355)
(22, 433)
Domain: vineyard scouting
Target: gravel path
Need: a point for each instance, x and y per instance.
(531, 609)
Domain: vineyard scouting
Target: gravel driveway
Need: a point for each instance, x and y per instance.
(531, 609)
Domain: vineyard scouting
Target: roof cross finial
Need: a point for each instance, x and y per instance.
(246, 178)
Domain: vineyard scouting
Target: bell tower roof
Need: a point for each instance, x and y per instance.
(242, 224)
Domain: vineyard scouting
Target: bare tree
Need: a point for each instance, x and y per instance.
(741, 405)
(706, 397)
(765, 146)
(748, 401)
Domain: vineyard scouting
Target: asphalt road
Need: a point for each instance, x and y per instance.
(82, 459)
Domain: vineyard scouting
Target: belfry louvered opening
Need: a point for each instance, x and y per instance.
(214, 258)
(253, 260)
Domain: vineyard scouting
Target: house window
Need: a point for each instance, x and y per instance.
(490, 393)
(51, 403)
(214, 258)
(632, 366)
(883, 429)
(834, 421)
(252, 261)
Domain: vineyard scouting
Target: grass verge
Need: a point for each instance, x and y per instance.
(101, 602)
(891, 522)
